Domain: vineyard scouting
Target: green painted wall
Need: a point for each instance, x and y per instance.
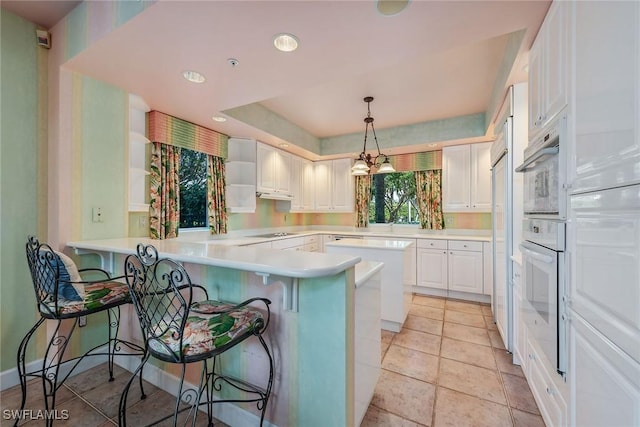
(22, 75)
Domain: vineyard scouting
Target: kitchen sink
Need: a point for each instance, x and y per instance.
(282, 234)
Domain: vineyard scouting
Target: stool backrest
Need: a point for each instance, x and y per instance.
(45, 266)
(161, 292)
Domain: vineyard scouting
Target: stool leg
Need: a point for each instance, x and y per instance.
(270, 384)
(122, 408)
(22, 368)
(112, 344)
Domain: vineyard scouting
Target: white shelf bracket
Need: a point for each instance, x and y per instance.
(106, 258)
(289, 290)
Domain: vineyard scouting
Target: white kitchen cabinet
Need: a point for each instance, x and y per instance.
(548, 68)
(606, 73)
(334, 190)
(520, 333)
(487, 268)
(273, 170)
(466, 178)
(465, 266)
(547, 388)
(240, 175)
(431, 260)
(138, 194)
(450, 266)
(302, 185)
(605, 382)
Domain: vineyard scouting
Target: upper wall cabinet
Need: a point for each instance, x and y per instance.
(334, 186)
(240, 175)
(273, 169)
(606, 73)
(302, 185)
(466, 178)
(548, 67)
(137, 155)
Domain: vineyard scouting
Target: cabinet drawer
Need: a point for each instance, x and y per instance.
(311, 247)
(432, 244)
(548, 397)
(465, 245)
(287, 243)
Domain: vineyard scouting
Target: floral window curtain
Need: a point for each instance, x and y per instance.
(216, 202)
(429, 198)
(363, 198)
(164, 210)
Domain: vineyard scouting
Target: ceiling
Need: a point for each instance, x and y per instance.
(434, 60)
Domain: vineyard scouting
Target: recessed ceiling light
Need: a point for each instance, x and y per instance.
(219, 119)
(193, 76)
(391, 7)
(432, 145)
(283, 145)
(285, 42)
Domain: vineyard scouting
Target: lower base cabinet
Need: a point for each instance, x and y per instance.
(605, 381)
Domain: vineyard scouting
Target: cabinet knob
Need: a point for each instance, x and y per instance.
(464, 246)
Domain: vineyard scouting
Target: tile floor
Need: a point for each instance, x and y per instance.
(446, 367)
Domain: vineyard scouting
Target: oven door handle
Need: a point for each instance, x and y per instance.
(535, 255)
(549, 151)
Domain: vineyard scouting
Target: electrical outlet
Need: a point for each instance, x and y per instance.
(82, 321)
(142, 221)
(96, 214)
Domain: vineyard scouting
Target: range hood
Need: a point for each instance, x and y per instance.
(274, 196)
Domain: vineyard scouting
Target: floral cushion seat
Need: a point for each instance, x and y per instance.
(211, 325)
(95, 295)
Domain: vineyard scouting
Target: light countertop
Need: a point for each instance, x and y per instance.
(297, 264)
(397, 245)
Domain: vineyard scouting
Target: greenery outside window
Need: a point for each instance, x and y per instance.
(193, 189)
(393, 199)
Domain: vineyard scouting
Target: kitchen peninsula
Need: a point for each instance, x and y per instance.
(312, 330)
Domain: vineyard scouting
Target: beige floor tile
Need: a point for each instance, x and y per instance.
(496, 339)
(423, 324)
(486, 310)
(476, 320)
(430, 301)
(406, 397)
(155, 406)
(411, 363)
(426, 311)
(473, 380)
(490, 324)
(519, 393)
(504, 359)
(387, 337)
(79, 413)
(454, 409)
(11, 398)
(465, 307)
(466, 333)
(468, 352)
(94, 377)
(525, 419)
(376, 417)
(420, 341)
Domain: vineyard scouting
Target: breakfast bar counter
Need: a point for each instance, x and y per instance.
(311, 332)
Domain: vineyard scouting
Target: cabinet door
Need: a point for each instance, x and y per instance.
(465, 271)
(282, 165)
(605, 381)
(607, 72)
(481, 177)
(308, 186)
(556, 59)
(323, 172)
(536, 92)
(297, 188)
(343, 197)
(456, 169)
(265, 168)
(432, 268)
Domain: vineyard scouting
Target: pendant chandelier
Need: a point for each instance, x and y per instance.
(366, 161)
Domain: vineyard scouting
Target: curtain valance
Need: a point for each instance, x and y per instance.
(170, 130)
(424, 161)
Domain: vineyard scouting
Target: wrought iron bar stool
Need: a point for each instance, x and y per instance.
(182, 325)
(62, 294)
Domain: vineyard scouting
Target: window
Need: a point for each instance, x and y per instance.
(193, 189)
(393, 199)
